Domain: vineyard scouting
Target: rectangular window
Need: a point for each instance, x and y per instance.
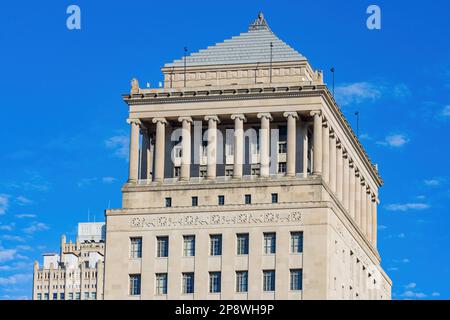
(176, 171)
(168, 202)
(215, 244)
(296, 242)
(241, 281)
(39, 296)
(71, 296)
(188, 282)
(242, 243)
(296, 279)
(161, 283)
(194, 201)
(62, 296)
(221, 200)
(136, 248)
(248, 199)
(203, 172)
(162, 247)
(86, 296)
(45, 296)
(214, 282)
(94, 295)
(270, 243)
(135, 284)
(282, 147)
(77, 296)
(55, 296)
(274, 197)
(282, 167)
(188, 246)
(269, 280)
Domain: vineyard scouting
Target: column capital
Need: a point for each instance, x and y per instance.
(134, 121)
(351, 162)
(339, 144)
(288, 114)
(212, 117)
(266, 115)
(315, 112)
(239, 116)
(182, 119)
(345, 153)
(162, 120)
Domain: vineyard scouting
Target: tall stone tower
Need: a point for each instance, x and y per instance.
(245, 182)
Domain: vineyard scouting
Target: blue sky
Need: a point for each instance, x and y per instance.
(64, 139)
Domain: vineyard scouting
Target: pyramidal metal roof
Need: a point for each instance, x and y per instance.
(253, 46)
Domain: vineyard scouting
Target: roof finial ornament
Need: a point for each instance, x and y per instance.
(259, 24)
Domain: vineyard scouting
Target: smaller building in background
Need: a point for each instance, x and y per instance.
(76, 272)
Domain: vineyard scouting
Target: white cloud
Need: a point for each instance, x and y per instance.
(119, 144)
(7, 254)
(15, 279)
(36, 226)
(411, 285)
(446, 111)
(9, 237)
(23, 201)
(4, 203)
(381, 227)
(108, 179)
(86, 182)
(432, 182)
(435, 294)
(407, 206)
(25, 216)
(395, 140)
(356, 93)
(413, 295)
(7, 227)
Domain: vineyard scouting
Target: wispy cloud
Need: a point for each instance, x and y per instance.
(108, 179)
(15, 279)
(446, 111)
(7, 227)
(411, 285)
(23, 201)
(7, 254)
(365, 91)
(35, 227)
(432, 182)
(394, 140)
(119, 144)
(85, 182)
(406, 206)
(10, 237)
(4, 203)
(25, 216)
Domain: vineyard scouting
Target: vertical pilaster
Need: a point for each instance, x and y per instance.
(351, 201)
(333, 161)
(238, 144)
(305, 149)
(369, 214)
(374, 220)
(317, 134)
(160, 148)
(357, 197)
(326, 152)
(346, 182)
(264, 145)
(339, 168)
(363, 200)
(291, 142)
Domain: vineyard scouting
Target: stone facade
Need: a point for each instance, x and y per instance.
(244, 149)
(76, 273)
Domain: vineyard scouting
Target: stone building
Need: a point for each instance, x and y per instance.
(245, 182)
(76, 273)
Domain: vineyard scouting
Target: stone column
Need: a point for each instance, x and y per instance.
(238, 144)
(369, 215)
(305, 149)
(185, 148)
(333, 164)
(144, 172)
(351, 201)
(326, 152)
(160, 148)
(291, 142)
(264, 144)
(134, 150)
(363, 203)
(375, 203)
(212, 146)
(317, 166)
(339, 168)
(346, 182)
(357, 197)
